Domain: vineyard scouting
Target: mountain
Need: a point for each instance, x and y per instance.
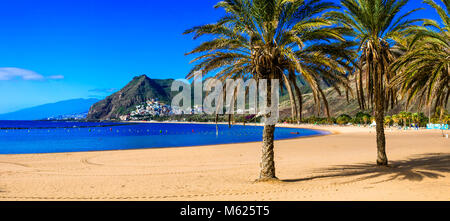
(143, 88)
(137, 91)
(338, 105)
(53, 110)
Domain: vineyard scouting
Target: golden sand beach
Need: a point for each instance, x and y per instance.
(334, 167)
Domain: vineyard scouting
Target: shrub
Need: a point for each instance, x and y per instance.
(361, 118)
(343, 119)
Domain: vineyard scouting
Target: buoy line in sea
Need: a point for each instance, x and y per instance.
(31, 128)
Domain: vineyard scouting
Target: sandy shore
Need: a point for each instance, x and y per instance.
(334, 167)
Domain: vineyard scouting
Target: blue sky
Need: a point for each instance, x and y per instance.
(53, 50)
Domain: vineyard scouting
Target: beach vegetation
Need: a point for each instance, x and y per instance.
(424, 71)
(343, 119)
(380, 29)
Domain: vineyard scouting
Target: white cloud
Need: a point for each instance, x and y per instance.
(8, 73)
(11, 73)
(56, 77)
(103, 90)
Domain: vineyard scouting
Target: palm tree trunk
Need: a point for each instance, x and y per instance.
(291, 98)
(357, 92)
(381, 139)
(441, 121)
(361, 92)
(293, 104)
(300, 105)
(297, 95)
(379, 99)
(267, 156)
(325, 103)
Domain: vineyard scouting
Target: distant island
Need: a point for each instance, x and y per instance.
(75, 109)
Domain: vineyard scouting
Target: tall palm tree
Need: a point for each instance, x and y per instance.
(388, 120)
(416, 118)
(404, 116)
(366, 119)
(377, 26)
(274, 39)
(396, 119)
(446, 119)
(425, 69)
(408, 118)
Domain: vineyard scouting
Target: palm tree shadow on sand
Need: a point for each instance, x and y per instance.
(414, 169)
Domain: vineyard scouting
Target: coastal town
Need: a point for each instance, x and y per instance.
(154, 108)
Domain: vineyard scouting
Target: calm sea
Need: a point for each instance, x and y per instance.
(22, 137)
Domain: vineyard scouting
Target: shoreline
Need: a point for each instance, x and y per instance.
(340, 166)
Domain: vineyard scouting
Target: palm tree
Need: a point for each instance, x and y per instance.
(388, 120)
(446, 119)
(377, 26)
(366, 119)
(409, 118)
(415, 118)
(274, 39)
(425, 69)
(403, 115)
(396, 119)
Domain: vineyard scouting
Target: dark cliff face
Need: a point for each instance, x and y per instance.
(139, 90)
